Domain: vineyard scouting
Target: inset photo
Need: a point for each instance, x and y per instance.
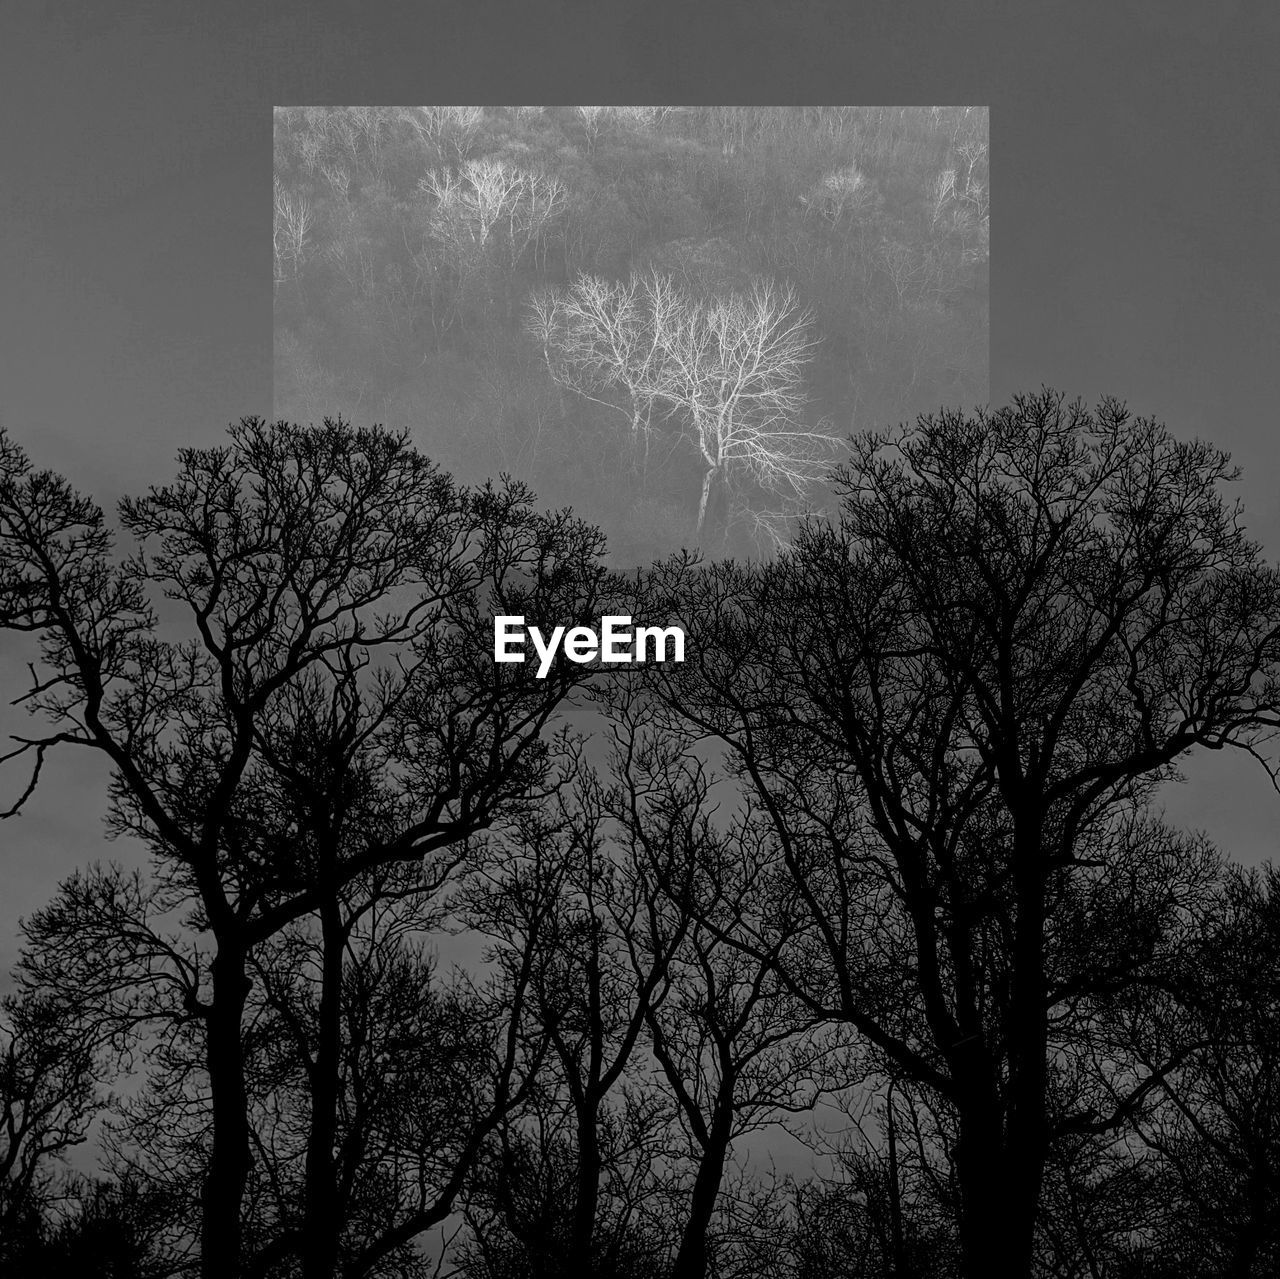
(671, 319)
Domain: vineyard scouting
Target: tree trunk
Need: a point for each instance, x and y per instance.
(322, 1214)
(990, 1238)
(691, 1259)
(1027, 1124)
(899, 1256)
(1249, 1241)
(587, 1194)
(228, 1170)
(1001, 1152)
(707, 477)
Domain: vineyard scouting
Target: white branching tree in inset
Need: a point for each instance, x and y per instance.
(841, 192)
(960, 200)
(604, 340)
(542, 204)
(592, 120)
(488, 202)
(445, 130)
(291, 230)
(738, 362)
(728, 368)
(942, 192)
(470, 202)
(906, 268)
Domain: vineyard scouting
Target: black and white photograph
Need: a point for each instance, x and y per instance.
(668, 318)
(616, 691)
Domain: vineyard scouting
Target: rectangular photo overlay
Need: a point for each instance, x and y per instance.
(669, 318)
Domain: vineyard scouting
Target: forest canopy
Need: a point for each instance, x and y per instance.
(415, 976)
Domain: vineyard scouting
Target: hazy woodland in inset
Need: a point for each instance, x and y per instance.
(470, 273)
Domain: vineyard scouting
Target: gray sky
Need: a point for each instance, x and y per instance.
(1133, 250)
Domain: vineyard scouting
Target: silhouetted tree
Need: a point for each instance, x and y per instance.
(1212, 1138)
(334, 708)
(950, 706)
(737, 1051)
(51, 1080)
(603, 961)
(102, 1230)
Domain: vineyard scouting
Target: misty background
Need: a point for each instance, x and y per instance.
(505, 283)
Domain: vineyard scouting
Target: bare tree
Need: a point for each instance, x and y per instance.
(447, 132)
(592, 120)
(603, 339)
(1211, 1138)
(372, 1084)
(738, 362)
(841, 193)
(596, 981)
(291, 232)
(950, 707)
(51, 1076)
(729, 367)
(337, 586)
(487, 202)
(736, 1050)
(403, 1078)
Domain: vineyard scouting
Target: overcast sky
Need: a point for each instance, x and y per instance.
(1134, 246)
